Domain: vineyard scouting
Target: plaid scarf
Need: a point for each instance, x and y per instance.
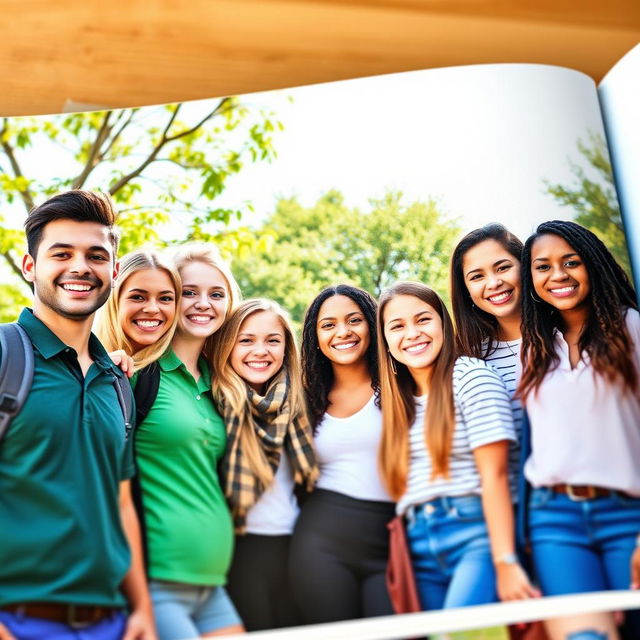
(276, 430)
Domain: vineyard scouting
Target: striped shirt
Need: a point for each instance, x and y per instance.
(506, 361)
(483, 416)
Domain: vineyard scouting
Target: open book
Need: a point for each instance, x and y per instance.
(359, 163)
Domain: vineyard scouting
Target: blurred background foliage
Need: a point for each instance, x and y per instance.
(163, 166)
(593, 199)
(330, 243)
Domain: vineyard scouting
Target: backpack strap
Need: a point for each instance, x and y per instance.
(145, 393)
(16, 371)
(146, 390)
(125, 400)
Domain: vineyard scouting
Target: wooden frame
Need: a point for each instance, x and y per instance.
(81, 54)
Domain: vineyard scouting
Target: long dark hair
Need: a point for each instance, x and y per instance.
(476, 330)
(317, 372)
(604, 337)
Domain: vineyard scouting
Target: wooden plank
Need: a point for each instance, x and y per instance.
(117, 54)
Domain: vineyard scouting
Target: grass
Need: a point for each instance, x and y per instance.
(493, 633)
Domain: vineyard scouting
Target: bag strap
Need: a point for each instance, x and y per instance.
(125, 400)
(16, 376)
(16, 371)
(146, 391)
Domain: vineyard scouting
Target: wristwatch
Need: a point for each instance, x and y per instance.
(506, 558)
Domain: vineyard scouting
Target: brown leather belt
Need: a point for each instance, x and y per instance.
(74, 615)
(580, 492)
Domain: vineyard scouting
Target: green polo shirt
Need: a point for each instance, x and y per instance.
(178, 447)
(61, 462)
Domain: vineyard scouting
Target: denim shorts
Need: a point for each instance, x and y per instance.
(450, 553)
(185, 610)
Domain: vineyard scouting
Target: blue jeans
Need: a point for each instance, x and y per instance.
(27, 628)
(187, 610)
(583, 546)
(450, 552)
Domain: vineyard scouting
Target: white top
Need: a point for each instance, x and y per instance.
(483, 415)
(584, 429)
(347, 450)
(276, 511)
(506, 361)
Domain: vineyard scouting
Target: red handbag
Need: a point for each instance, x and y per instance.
(401, 582)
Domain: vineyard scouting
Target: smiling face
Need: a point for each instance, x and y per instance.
(342, 330)
(204, 300)
(559, 275)
(258, 353)
(492, 277)
(73, 269)
(147, 307)
(414, 334)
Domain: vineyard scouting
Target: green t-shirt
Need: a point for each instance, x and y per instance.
(61, 463)
(178, 447)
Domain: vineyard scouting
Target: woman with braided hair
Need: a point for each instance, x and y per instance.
(339, 571)
(581, 387)
(258, 390)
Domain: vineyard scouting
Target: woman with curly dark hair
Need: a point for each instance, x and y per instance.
(581, 387)
(340, 544)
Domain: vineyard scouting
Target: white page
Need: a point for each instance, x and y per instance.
(480, 139)
(619, 94)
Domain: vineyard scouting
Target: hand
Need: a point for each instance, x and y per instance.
(513, 583)
(5, 634)
(140, 626)
(124, 361)
(635, 569)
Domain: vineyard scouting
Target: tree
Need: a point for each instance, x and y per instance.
(330, 243)
(164, 167)
(594, 201)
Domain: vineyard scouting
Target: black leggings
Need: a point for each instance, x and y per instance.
(258, 582)
(339, 557)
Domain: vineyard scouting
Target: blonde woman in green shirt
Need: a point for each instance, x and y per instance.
(189, 532)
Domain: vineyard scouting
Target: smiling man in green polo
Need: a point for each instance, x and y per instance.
(65, 506)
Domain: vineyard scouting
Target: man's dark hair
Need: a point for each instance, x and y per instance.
(78, 205)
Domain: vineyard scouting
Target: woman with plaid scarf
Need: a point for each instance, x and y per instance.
(258, 389)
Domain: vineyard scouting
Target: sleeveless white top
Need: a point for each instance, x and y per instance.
(347, 451)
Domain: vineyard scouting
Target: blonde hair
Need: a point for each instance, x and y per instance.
(230, 389)
(210, 255)
(398, 402)
(109, 329)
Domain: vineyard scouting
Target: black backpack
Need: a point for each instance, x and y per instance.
(16, 376)
(146, 390)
